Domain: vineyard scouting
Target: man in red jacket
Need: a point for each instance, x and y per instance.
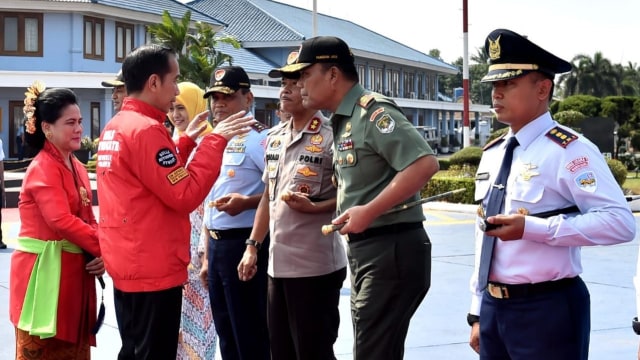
(146, 195)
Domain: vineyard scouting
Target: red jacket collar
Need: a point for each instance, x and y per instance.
(139, 106)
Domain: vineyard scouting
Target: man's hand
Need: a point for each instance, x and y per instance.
(235, 124)
(95, 267)
(512, 226)
(233, 204)
(357, 220)
(204, 274)
(248, 264)
(197, 125)
(474, 339)
(298, 201)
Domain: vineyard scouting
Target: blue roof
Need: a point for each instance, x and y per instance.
(250, 62)
(175, 8)
(271, 21)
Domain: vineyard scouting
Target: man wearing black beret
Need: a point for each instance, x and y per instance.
(545, 191)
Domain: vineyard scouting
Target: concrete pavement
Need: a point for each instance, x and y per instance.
(438, 329)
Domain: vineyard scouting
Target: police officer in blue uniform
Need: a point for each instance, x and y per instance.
(239, 307)
(555, 195)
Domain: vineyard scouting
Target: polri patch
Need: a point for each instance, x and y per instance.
(176, 175)
(166, 158)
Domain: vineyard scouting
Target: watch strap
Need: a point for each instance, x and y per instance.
(635, 325)
(254, 243)
(472, 319)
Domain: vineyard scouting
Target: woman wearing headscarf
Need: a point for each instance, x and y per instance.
(52, 301)
(197, 331)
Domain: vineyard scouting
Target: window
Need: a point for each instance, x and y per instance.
(93, 38)
(21, 34)
(148, 37)
(408, 85)
(375, 78)
(124, 40)
(15, 122)
(95, 120)
(361, 76)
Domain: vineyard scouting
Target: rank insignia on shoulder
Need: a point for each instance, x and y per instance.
(561, 136)
(314, 125)
(259, 127)
(365, 100)
(494, 142)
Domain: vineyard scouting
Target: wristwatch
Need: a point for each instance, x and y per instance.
(635, 325)
(255, 243)
(472, 319)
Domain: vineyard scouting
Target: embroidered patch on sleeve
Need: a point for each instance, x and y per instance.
(386, 124)
(586, 181)
(166, 158)
(176, 175)
(577, 164)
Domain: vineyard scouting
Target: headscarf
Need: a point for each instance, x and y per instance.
(192, 98)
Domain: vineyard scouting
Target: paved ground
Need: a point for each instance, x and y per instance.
(438, 330)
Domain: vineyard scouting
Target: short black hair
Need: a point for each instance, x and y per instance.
(348, 70)
(143, 62)
(49, 106)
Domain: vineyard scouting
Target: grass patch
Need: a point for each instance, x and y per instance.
(632, 183)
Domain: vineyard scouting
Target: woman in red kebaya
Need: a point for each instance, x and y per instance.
(52, 283)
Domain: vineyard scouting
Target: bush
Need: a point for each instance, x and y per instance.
(444, 164)
(439, 185)
(470, 155)
(619, 170)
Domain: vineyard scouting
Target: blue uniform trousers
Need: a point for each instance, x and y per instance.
(239, 308)
(551, 325)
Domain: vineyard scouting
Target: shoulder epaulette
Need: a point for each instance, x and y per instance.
(494, 142)
(366, 100)
(259, 127)
(314, 124)
(560, 136)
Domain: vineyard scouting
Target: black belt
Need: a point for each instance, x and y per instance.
(508, 291)
(230, 234)
(384, 230)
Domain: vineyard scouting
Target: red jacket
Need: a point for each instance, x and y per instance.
(49, 205)
(146, 195)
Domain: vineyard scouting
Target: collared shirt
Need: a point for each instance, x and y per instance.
(301, 163)
(241, 172)
(548, 175)
(373, 141)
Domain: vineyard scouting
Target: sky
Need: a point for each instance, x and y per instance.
(564, 27)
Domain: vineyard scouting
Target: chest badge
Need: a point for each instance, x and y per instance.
(316, 139)
(529, 171)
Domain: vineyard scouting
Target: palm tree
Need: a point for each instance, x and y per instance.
(197, 54)
(590, 76)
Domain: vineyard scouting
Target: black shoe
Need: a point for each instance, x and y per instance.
(2, 245)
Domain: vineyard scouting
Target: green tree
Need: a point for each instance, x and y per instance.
(197, 54)
(590, 76)
(589, 105)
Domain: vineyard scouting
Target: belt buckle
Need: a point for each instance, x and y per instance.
(214, 234)
(498, 291)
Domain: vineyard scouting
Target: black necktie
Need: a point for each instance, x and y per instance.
(494, 206)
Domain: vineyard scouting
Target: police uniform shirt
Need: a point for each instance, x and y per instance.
(301, 163)
(373, 142)
(241, 172)
(552, 168)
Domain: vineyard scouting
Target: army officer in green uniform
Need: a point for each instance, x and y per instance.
(380, 161)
